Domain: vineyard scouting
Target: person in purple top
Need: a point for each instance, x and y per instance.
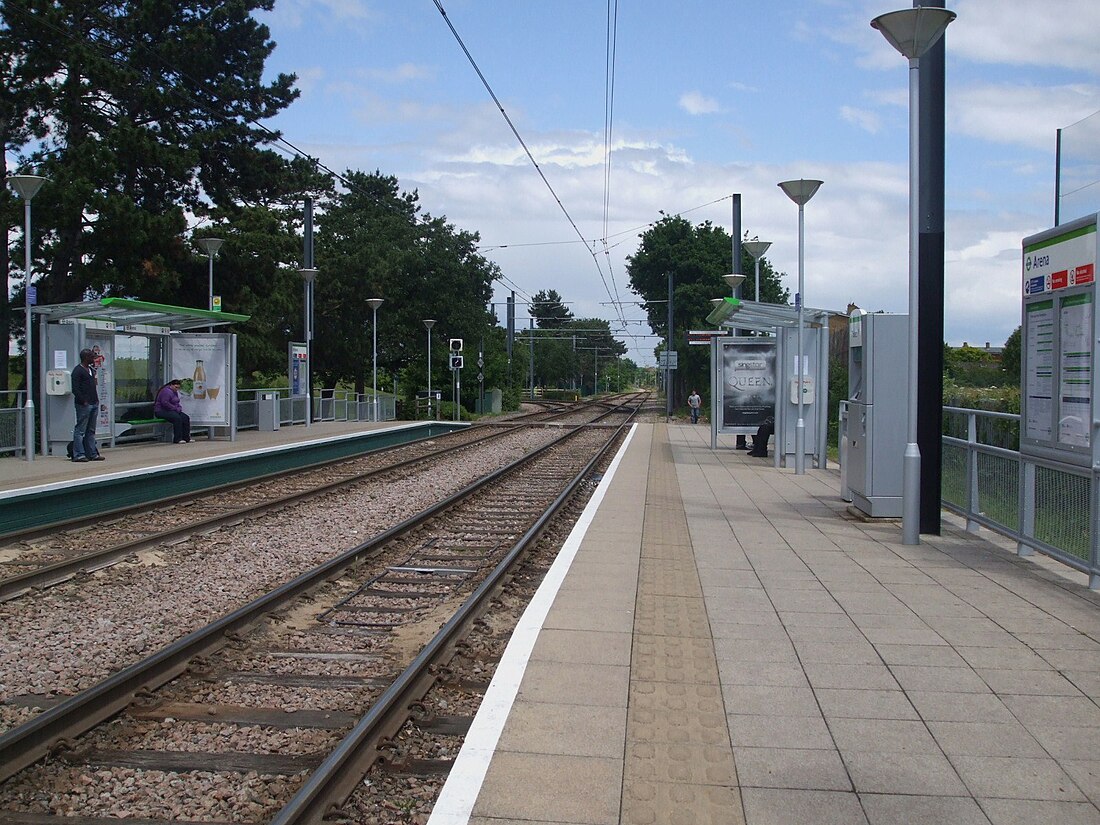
(167, 406)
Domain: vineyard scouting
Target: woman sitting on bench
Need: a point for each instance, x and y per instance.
(167, 406)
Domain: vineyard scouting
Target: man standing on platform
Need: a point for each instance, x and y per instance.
(695, 402)
(86, 399)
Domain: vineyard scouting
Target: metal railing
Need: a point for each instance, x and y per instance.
(1042, 505)
(328, 405)
(11, 421)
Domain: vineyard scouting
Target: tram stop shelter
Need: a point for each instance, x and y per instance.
(754, 374)
(139, 346)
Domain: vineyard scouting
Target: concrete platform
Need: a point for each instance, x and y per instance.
(17, 474)
(53, 489)
(719, 643)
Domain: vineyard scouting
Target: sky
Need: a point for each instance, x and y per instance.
(710, 99)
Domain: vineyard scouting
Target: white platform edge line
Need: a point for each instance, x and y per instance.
(463, 785)
(213, 459)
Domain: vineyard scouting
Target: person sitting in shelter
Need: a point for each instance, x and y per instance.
(760, 440)
(167, 406)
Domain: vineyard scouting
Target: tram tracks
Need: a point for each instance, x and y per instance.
(445, 553)
(45, 558)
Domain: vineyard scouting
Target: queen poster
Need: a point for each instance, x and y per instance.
(748, 382)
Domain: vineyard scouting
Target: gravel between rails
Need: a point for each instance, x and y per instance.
(69, 637)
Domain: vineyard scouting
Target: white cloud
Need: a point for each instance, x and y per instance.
(296, 13)
(401, 73)
(868, 121)
(1019, 32)
(1020, 115)
(696, 103)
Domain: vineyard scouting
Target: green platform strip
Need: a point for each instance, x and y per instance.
(98, 495)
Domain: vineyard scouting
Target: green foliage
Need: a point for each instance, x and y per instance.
(548, 310)
(697, 257)
(373, 243)
(972, 367)
(147, 114)
(1011, 356)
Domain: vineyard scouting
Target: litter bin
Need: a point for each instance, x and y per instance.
(267, 412)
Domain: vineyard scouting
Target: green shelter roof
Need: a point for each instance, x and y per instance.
(125, 313)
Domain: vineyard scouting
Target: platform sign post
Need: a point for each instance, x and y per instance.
(1059, 330)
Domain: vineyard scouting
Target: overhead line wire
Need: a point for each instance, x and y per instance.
(507, 119)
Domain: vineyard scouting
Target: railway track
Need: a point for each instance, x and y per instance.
(42, 558)
(317, 656)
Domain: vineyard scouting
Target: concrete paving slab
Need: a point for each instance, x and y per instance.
(1017, 778)
(1035, 812)
(985, 739)
(593, 647)
(791, 768)
(577, 730)
(846, 703)
(574, 789)
(927, 774)
(766, 806)
(882, 809)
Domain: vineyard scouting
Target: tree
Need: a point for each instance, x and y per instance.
(697, 257)
(1011, 357)
(152, 109)
(548, 310)
(373, 242)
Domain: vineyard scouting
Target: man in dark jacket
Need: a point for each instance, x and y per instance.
(86, 398)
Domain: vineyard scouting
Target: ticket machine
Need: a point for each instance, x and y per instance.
(878, 397)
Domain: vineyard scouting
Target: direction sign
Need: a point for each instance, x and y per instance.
(697, 337)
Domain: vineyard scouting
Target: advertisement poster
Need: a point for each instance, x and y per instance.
(748, 383)
(1075, 373)
(201, 362)
(1039, 381)
(102, 361)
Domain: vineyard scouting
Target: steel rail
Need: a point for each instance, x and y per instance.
(333, 781)
(23, 745)
(51, 574)
(150, 506)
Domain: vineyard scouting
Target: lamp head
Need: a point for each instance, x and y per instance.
(308, 275)
(26, 186)
(210, 245)
(801, 190)
(756, 248)
(374, 303)
(429, 323)
(734, 280)
(913, 31)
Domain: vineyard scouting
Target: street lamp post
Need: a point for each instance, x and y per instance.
(757, 250)
(800, 191)
(374, 303)
(912, 32)
(210, 246)
(429, 323)
(308, 277)
(27, 186)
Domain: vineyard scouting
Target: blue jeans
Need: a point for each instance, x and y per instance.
(694, 415)
(84, 445)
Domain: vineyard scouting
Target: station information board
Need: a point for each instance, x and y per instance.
(1058, 340)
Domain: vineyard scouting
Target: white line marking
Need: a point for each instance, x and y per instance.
(460, 791)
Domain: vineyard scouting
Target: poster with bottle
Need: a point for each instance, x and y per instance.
(201, 362)
(102, 363)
